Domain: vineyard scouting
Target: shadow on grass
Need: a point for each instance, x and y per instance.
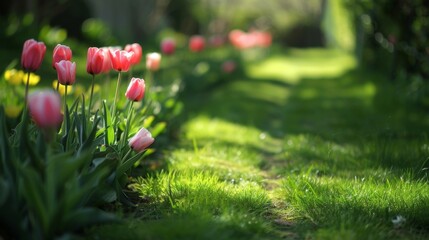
(354, 117)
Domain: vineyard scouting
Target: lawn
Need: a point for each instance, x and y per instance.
(300, 145)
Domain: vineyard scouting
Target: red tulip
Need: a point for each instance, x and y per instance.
(61, 52)
(138, 51)
(121, 60)
(66, 72)
(32, 55)
(141, 140)
(95, 60)
(168, 46)
(197, 43)
(153, 61)
(45, 108)
(135, 90)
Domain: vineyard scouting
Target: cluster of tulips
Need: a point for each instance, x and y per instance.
(61, 162)
(44, 105)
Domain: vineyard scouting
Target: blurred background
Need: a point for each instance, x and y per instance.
(389, 35)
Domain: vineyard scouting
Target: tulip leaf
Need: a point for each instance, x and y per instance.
(87, 216)
(4, 190)
(5, 153)
(90, 140)
(66, 166)
(128, 164)
(159, 128)
(110, 134)
(33, 191)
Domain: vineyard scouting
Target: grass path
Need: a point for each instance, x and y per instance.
(301, 146)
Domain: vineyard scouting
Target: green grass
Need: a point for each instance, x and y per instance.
(302, 145)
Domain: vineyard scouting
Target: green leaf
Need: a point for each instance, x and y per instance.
(33, 191)
(4, 190)
(90, 140)
(5, 150)
(110, 135)
(67, 166)
(86, 217)
(26, 147)
(159, 128)
(148, 121)
(128, 164)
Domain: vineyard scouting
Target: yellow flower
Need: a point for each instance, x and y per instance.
(97, 88)
(34, 79)
(78, 90)
(12, 111)
(62, 88)
(14, 76)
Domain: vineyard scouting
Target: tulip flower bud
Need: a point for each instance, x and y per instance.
(121, 60)
(138, 51)
(197, 43)
(66, 72)
(32, 55)
(153, 61)
(45, 108)
(142, 140)
(168, 46)
(135, 90)
(61, 52)
(95, 60)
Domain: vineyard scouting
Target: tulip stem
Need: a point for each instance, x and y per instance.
(26, 90)
(90, 97)
(127, 127)
(116, 95)
(65, 98)
(126, 155)
(65, 112)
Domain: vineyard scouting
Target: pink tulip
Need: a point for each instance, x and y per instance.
(240, 39)
(141, 140)
(32, 55)
(121, 60)
(66, 72)
(197, 43)
(45, 108)
(262, 39)
(168, 46)
(135, 90)
(153, 61)
(95, 60)
(138, 51)
(228, 66)
(107, 63)
(61, 52)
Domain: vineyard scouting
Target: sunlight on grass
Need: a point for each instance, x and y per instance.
(299, 64)
(230, 151)
(340, 204)
(234, 207)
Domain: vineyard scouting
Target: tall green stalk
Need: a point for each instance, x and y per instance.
(26, 91)
(127, 126)
(90, 97)
(116, 95)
